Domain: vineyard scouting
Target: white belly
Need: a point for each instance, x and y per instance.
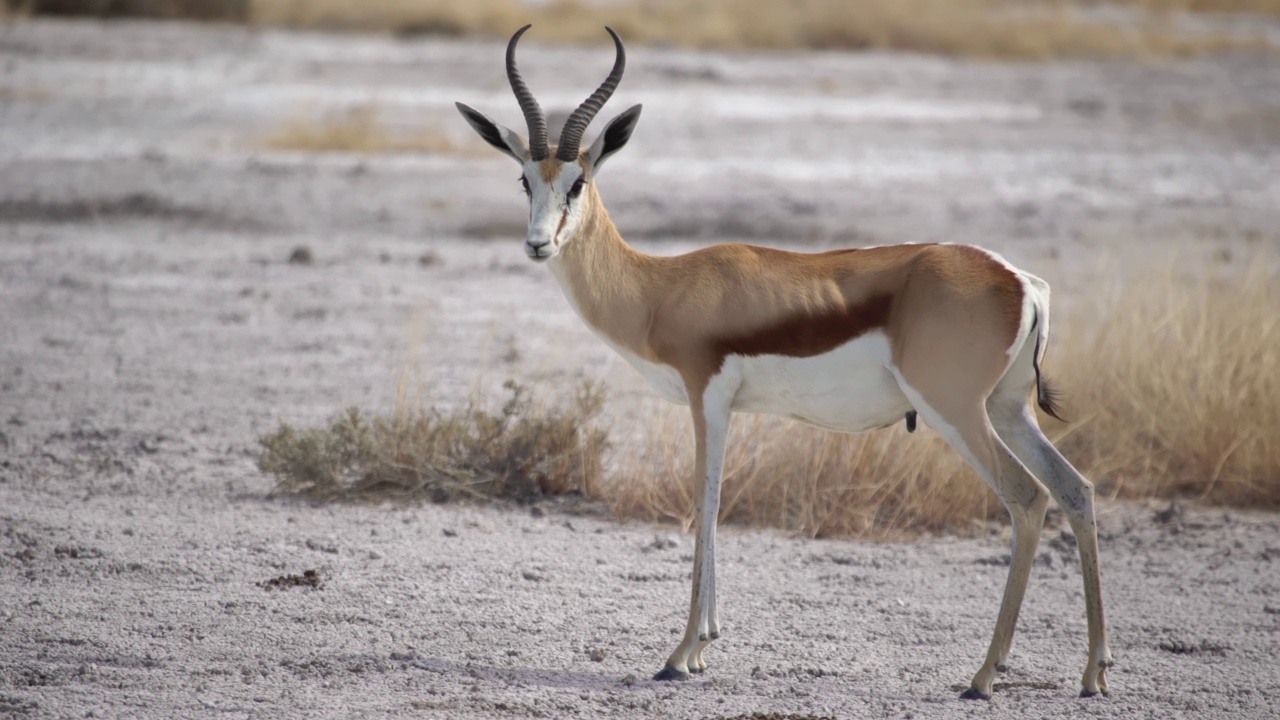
(849, 389)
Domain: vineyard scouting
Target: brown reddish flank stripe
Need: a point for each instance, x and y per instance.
(809, 335)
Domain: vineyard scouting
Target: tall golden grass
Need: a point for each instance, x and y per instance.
(970, 28)
(1175, 388)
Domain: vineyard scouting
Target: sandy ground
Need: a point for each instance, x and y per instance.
(151, 329)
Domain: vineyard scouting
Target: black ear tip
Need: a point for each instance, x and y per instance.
(630, 117)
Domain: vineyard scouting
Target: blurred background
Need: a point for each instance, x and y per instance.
(253, 263)
(1018, 29)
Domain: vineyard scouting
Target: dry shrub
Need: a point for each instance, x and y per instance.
(970, 28)
(780, 473)
(1176, 386)
(358, 130)
(522, 452)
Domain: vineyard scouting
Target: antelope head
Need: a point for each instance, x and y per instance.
(556, 179)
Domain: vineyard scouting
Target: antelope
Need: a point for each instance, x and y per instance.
(848, 340)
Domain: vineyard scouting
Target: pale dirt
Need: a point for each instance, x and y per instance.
(151, 329)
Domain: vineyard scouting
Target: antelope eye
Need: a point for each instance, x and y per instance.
(524, 181)
(576, 189)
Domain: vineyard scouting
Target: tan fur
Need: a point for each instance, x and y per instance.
(692, 310)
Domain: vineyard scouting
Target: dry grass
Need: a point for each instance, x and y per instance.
(968, 28)
(24, 93)
(1173, 385)
(360, 130)
(1176, 387)
(226, 10)
(1006, 29)
(782, 474)
(1255, 7)
(1244, 123)
(523, 451)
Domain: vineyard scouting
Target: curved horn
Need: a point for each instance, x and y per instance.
(533, 116)
(577, 123)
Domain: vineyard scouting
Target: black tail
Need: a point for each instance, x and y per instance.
(1048, 397)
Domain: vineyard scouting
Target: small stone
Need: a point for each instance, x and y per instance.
(301, 255)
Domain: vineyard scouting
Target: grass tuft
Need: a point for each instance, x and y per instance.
(521, 452)
(359, 130)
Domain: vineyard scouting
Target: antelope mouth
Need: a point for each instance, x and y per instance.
(539, 255)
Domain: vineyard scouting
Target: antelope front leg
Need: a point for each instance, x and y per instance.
(711, 425)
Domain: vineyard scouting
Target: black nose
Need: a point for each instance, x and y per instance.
(538, 246)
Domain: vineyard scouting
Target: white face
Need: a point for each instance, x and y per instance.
(555, 207)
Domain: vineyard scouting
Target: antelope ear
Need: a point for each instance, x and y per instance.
(615, 136)
(495, 134)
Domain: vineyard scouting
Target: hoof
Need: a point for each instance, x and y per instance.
(1002, 668)
(1092, 693)
(670, 673)
(973, 694)
(715, 635)
(697, 670)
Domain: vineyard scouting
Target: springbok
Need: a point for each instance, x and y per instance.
(848, 340)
